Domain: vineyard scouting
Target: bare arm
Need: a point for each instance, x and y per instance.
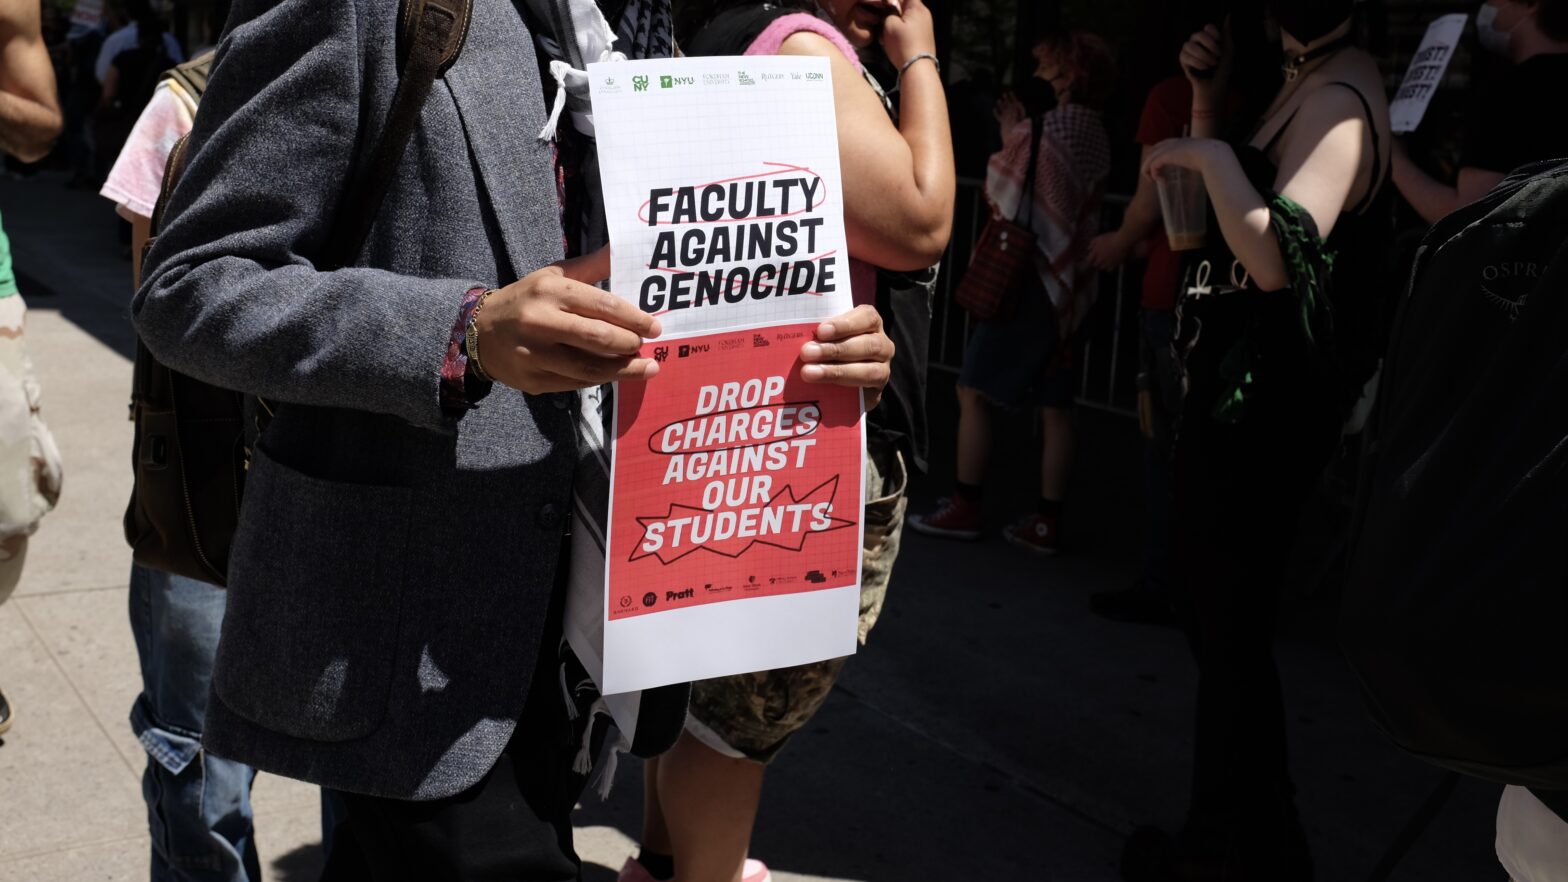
(898, 182)
(110, 90)
(1323, 158)
(1110, 250)
(1434, 200)
(29, 111)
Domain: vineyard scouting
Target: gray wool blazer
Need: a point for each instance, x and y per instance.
(393, 571)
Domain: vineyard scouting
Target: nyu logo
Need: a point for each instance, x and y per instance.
(667, 82)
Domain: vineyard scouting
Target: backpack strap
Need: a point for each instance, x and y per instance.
(192, 75)
(431, 35)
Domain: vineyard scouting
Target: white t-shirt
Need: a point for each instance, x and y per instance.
(125, 38)
(137, 176)
(1532, 842)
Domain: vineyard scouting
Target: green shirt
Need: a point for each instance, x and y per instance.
(7, 278)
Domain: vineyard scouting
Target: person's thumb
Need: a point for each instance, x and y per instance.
(590, 269)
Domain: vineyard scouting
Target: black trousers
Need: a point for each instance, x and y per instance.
(514, 825)
(1240, 489)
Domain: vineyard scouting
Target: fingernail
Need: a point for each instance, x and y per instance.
(812, 373)
(656, 330)
(826, 330)
(651, 371)
(812, 351)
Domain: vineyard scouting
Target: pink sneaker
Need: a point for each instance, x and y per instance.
(954, 518)
(1035, 533)
(755, 871)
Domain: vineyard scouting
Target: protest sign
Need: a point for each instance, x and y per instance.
(1426, 72)
(734, 524)
(87, 13)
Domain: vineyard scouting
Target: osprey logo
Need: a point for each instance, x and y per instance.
(1508, 285)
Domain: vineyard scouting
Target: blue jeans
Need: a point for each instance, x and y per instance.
(198, 806)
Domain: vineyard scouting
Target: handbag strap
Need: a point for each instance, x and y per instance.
(1026, 197)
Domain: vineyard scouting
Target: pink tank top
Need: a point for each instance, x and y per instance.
(862, 275)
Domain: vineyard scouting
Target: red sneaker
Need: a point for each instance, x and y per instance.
(953, 519)
(1035, 532)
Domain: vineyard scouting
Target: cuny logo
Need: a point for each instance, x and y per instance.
(639, 83)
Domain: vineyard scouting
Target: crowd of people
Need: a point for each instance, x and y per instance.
(353, 325)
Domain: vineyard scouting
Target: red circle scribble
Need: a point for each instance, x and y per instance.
(783, 168)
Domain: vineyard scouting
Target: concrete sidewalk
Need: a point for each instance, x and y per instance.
(993, 730)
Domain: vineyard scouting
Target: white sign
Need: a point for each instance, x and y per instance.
(1426, 72)
(734, 522)
(87, 13)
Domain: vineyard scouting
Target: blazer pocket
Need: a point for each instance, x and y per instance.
(315, 599)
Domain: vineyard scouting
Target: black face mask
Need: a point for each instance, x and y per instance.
(1310, 20)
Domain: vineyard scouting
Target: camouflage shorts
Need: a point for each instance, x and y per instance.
(752, 716)
(29, 460)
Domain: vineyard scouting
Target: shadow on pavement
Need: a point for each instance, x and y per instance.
(303, 864)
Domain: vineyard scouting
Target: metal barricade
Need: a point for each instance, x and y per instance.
(1109, 367)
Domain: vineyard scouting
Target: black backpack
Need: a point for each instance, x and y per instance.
(189, 454)
(1455, 612)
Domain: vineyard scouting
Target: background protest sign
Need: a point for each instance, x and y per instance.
(1426, 72)
(734, 534)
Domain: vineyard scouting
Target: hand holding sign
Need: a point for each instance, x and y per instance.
(850, 350)
(553, 331)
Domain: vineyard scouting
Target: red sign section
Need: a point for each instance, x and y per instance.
(734, 478)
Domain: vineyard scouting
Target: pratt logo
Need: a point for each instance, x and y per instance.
(639, 83)
(745, 79)
(688, 351)
(1508, 285)
(650, 599)
(686, 594)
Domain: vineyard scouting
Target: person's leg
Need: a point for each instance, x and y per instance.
(710, 803)
(974, 437)
(198, 805)
(1056, 454)
(960, 516)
